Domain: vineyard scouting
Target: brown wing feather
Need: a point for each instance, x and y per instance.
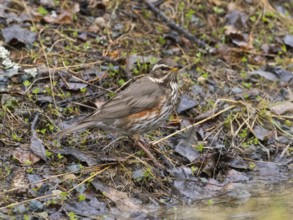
(139, 96)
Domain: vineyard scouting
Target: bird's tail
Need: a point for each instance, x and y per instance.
(75, 127)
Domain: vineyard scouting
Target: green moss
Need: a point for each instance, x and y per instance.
(42, 11)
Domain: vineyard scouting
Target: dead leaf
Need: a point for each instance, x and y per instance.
(94, 28)
(94, 8)
(270, 48)
(274, 74)
(185, 183)
(288, 40)
(212, 20)
(64, 18)
(237, 37)
(48, 3)
(237, 19)
(35, 180)
(70, 176)
(261, 133)
(18, 35)
(37, 146)
(185, 149)
(216, 2)
(268, 75)
(186, 102)
(18, 180)
(121, 199)
(241, 41)
(78, 155)
(284, 75)
(92, 208)
(74, 86)
(229, 29)
(114, 54)
(25, 157)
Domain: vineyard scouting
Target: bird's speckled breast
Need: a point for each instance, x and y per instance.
(151, 119)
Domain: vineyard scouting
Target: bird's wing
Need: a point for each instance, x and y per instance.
(139, 96)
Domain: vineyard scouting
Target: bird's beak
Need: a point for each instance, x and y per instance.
(176, 68)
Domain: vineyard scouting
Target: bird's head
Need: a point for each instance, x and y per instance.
(164, 71)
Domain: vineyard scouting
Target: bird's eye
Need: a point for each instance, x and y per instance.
(165, 68)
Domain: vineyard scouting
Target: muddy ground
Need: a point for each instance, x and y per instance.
(232, 129)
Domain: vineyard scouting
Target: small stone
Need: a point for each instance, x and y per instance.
(36, 206)
(100, 21)
(236, 90)
(201, 80)
(19, 209)
(138, 174)
(73, 167)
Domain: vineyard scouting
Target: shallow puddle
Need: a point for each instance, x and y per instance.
(272, 203)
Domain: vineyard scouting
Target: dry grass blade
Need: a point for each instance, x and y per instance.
(195, 124)
(87, 179)
(280, 128)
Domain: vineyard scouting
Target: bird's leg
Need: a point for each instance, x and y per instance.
(112, 142)
(140, 143)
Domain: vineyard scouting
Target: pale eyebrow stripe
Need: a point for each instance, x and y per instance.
(158, 66)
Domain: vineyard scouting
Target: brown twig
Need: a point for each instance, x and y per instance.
(178, 28)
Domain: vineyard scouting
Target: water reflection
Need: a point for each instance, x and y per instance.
(273, 202)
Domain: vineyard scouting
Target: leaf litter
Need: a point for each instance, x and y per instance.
(233, 126)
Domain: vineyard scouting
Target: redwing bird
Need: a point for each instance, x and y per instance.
(141, 107)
